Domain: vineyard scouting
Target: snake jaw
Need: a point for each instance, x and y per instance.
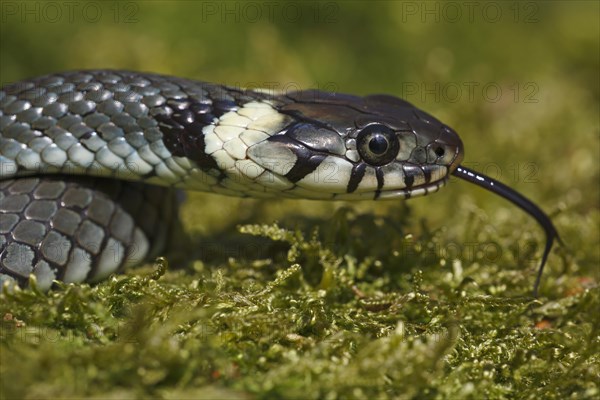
(315, 164)
(327, 148)
(418, 191)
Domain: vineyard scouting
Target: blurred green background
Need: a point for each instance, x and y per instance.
(519, 81)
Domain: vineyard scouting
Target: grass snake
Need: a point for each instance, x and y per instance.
(89, 161)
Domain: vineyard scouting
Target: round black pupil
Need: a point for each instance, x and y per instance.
(378, 144)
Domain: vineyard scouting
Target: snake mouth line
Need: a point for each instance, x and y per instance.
(416, 191)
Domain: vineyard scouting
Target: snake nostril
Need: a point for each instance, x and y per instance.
(439, 151)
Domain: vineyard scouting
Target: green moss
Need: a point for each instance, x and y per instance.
(261, 327)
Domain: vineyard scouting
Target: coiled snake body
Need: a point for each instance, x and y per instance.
(89, 160)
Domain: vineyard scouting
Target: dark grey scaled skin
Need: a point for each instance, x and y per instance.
(125, 141)
(49, 222)
(83, 218)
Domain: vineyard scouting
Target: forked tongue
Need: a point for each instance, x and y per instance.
(520, 201)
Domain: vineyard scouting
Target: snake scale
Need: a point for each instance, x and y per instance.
(90, 160)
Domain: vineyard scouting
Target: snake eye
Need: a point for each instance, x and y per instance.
(377, 144)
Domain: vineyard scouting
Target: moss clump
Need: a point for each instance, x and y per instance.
(312, 322)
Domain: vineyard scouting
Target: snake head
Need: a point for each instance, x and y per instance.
(351, 147)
